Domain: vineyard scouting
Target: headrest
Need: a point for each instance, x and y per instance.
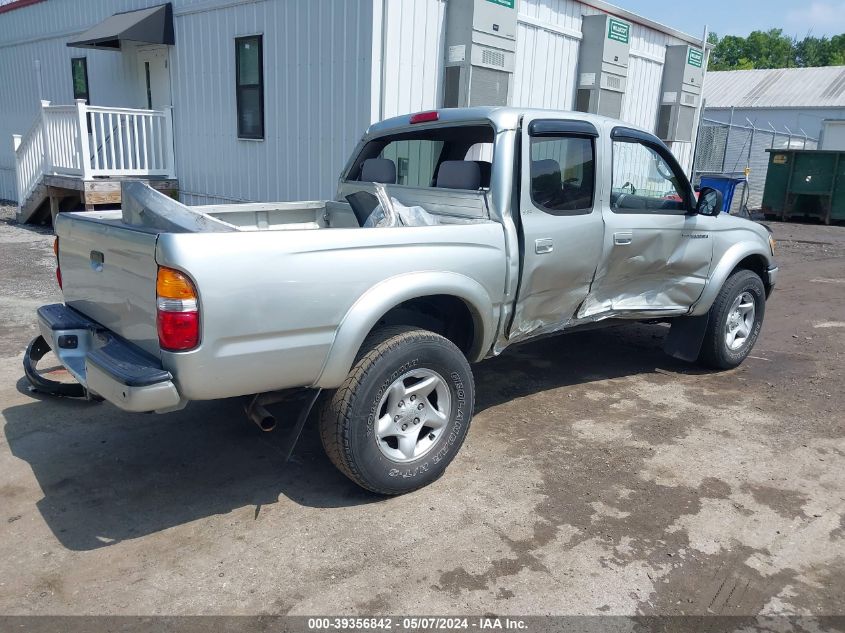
(545, 179)
(381, 170)
(546, 167)
(486, 169)
(459, 174)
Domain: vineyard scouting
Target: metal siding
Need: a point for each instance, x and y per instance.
(320, 90)
(548, 43)
(546, 65)
(317, 56)
(317, 95)
(413, 56)
(641, 102)
(777, 88)
(41, 32)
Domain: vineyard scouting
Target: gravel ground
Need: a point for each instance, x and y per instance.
(599, 477)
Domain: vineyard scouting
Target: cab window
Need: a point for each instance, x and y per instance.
(643, 181)
(562, 174)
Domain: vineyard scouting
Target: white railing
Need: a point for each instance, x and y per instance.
(91, 141)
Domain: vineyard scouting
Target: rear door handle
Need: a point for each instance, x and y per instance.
(543, 246)
(623, 239)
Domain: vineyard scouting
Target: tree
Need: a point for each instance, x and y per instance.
(773, 49)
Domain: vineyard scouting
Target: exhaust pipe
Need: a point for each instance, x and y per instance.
(266, 421)
(256, 412)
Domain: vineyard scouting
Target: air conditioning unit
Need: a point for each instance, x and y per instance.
(480, 52)
(603, 65)
(680, 94)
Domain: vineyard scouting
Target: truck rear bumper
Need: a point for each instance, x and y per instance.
(106, 365)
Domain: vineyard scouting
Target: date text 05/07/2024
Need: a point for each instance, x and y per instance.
(416, 623)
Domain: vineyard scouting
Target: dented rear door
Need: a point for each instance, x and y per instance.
(560, 215)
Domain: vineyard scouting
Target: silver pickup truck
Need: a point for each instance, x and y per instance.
(453, 235)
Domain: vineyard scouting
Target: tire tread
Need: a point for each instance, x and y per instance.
(711, 348)
(336, 410)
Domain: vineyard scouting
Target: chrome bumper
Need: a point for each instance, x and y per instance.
(106, 365)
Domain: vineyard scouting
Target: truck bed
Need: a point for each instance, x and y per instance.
(274, 281)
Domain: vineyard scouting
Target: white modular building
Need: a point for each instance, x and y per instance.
(260, 100)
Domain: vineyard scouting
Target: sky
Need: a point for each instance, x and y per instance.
(740, 17)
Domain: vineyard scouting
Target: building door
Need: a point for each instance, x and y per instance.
(154, 77)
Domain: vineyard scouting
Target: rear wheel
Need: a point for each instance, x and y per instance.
(402, 413)
(736, 318)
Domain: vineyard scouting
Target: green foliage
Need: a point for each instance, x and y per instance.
(773, 49)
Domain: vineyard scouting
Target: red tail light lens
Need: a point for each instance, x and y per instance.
(178, 331)
(424, 117)
(178, 311)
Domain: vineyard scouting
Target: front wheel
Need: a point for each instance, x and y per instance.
(736, 318)
(402, 413)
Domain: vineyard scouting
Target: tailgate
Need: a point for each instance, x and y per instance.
(109, 275)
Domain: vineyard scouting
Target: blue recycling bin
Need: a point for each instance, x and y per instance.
(728, 185)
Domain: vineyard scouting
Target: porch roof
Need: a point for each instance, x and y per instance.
(153, 25)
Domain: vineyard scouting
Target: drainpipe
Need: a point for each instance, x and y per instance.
(378, 48)
(38, 79)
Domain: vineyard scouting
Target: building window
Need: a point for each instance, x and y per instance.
(79, 73)
(249, 86)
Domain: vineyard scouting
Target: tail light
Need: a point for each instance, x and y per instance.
(178, 311)
(424, 117)
(58, 267)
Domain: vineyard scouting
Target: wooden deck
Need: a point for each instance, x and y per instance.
(75, 157)
(69, 193)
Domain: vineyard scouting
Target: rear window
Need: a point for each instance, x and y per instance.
(416, 159)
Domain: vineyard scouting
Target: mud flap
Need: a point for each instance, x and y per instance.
(686, 337)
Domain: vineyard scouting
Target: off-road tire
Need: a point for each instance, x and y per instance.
(348, 416)
(715, 353)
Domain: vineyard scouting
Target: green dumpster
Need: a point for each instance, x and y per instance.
(806, 183)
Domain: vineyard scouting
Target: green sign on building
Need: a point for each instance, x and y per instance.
(696, 58)
(504, 3)
(618, 30)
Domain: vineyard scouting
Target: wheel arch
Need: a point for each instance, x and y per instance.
(741, 256)
(413, 299)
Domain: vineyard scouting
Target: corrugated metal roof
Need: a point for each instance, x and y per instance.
(777, 88)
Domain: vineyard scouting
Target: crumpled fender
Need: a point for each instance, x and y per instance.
(381, 298)
(721, 271)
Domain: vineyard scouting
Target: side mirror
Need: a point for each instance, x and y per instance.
(710, 202)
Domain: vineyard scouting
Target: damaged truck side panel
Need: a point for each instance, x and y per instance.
(453, 235)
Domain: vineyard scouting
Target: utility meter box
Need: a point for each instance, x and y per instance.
(680, 95)
(603, 65)
(480, 53)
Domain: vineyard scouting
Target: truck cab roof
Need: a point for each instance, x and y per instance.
(502, 118)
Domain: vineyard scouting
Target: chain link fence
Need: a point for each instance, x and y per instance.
(737, 150)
